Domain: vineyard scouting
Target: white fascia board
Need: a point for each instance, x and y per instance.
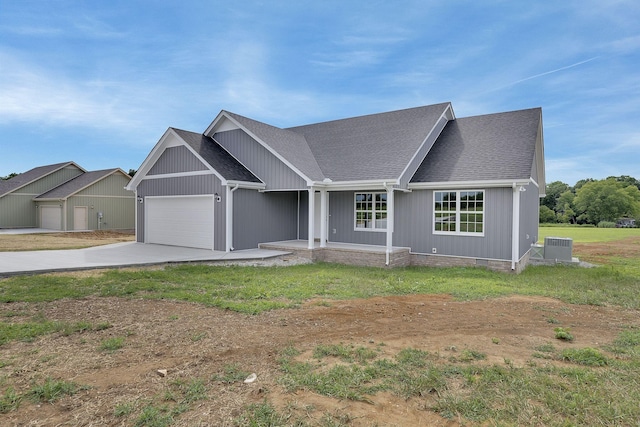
(179, 174)
(246, 185)
(468, 184)
(214, 123)
(445, 116)
(164, 143)
(150, 160)
(378, 184)
(261, 142)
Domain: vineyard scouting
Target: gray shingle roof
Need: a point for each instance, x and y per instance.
(219, 159)
(497, 146)
(76, 184)
(7, 186)
(290, 145)
(372, 147)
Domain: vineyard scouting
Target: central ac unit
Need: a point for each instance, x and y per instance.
(558, 248)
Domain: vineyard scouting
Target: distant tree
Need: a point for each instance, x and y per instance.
(553, 191)
(132, 172)
(626, 180)
(606, 200)
(582, 182)
(564, 207)
(547, 216)
(11, 175)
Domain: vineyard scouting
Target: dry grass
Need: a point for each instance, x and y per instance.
(71, 240)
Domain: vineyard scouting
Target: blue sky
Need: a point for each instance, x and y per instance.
(99, 82)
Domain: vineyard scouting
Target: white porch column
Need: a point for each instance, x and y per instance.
(390, 222)
(229, 217)
(323, 218)
(311, 220)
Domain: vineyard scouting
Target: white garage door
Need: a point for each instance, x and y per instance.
(180, 221)
(51, 217)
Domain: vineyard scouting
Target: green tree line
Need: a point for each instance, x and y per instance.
(592, 201)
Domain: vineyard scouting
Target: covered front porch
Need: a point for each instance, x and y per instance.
(344, 253)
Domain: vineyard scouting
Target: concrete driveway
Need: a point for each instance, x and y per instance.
(117, 255)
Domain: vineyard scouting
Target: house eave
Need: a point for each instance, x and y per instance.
(377, 184)
(468, 184)
(210, 131)
(245, 184)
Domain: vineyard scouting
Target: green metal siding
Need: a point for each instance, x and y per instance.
(118, 213)
(17, 210)
(50, 181)
(113, 185)
(109, 197)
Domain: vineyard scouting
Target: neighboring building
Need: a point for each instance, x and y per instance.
(409, 187)
(626, 223)
(64, 196)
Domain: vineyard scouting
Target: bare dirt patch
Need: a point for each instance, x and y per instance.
(597, 252)
(70, 240)
(195, 342)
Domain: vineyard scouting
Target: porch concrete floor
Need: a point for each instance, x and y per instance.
(303, 244)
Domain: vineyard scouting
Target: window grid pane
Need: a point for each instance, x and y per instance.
(459, 212)
(371, 211)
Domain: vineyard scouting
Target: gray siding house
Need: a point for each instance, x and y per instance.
(410, 187)
(64, 196)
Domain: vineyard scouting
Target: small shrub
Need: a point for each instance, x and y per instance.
(471, 355)
(261, 414)
(584, 356)
(232, 374)
(123, 409)
(53, 390)
(606, 224)
(112, 344)
(563, 334)
(154, 417)
(10, 401)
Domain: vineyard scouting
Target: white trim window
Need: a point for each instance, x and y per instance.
(370, 211)
(459, 212)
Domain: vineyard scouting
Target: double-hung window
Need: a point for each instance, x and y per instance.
(371, 211)
(458, 212)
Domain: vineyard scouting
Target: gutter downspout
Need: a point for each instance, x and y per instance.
(515, 228)
(229, 218)
(390, 221)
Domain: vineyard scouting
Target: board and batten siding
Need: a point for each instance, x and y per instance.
(186, 186)
(176, 160)
(50, 181)
(414, 227)
(118, 213)
(342, 220)
(271, 170)
(17, 209)
(529, 218)
(263, 217)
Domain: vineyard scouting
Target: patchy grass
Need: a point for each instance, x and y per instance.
(255, 289)
(587, 234)
(599, 391)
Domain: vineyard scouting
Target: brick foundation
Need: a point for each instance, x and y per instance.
(398, 258)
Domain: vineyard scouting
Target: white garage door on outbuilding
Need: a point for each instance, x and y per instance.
(180, 221)
(51, 217)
